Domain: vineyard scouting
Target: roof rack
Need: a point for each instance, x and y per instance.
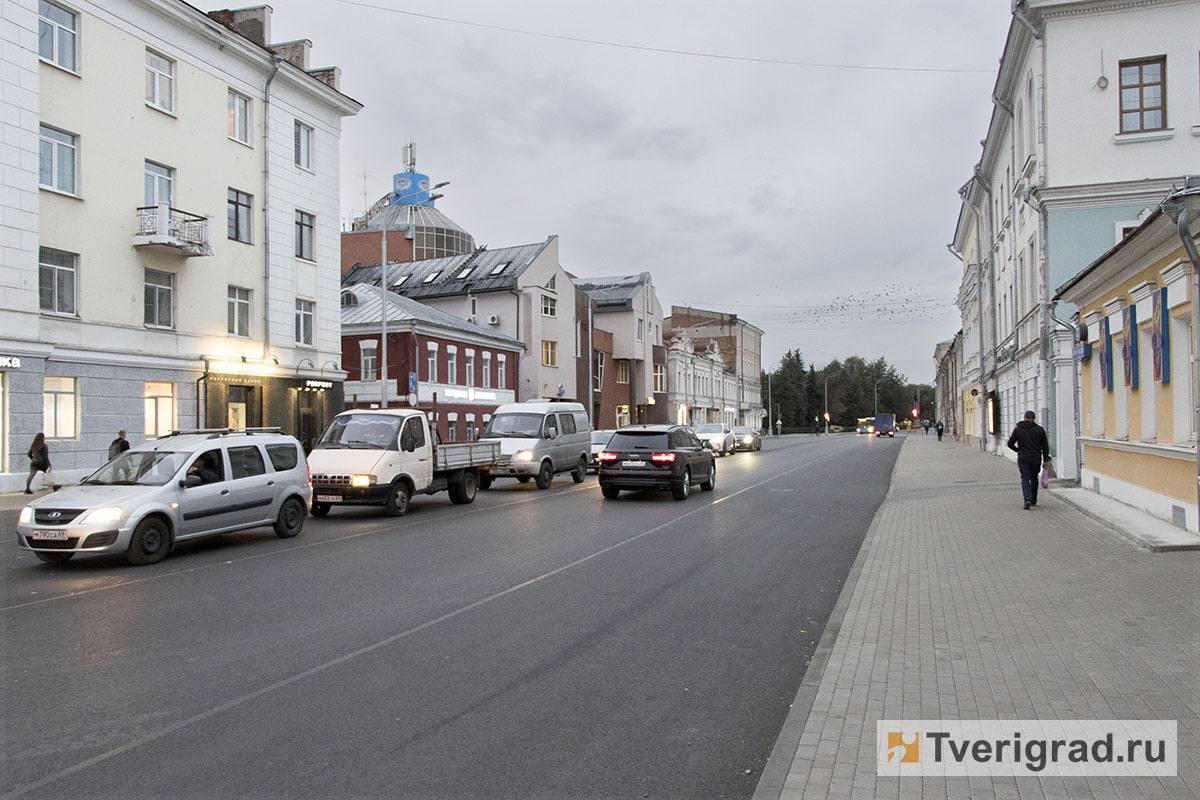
(214, 433)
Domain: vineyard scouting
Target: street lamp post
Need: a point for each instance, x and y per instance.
(827, 377)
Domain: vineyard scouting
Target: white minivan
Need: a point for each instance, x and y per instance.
(538, 439)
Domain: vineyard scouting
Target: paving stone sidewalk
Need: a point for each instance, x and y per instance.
(968, 607)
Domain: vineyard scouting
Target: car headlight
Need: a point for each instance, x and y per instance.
(524, 455)
(747, 440)
(103, 515)
(26, 514)
(362, 481)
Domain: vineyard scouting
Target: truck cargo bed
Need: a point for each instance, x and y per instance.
(460, 455)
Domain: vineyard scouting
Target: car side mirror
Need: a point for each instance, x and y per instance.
(190, 481)
(551, 433)
(408, 444)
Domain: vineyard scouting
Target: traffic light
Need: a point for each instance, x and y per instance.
(915, 412)
(827, 416)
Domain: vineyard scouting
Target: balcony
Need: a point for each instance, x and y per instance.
(173, 231)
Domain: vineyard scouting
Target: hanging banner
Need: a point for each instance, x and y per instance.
(1106, 367)
(1160, 336)
(1129, 345)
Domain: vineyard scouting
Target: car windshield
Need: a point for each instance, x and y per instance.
(638, 440)
(744, 431)
(361, 432)
(139, 468)
(601, 437)
(521, 425)
(709, 429)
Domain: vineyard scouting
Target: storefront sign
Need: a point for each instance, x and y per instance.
(1083, 351)
(10, 362)
(316, 384)
(1129, 345)
(1160, 336)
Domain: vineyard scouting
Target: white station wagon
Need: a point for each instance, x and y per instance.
(181, 486)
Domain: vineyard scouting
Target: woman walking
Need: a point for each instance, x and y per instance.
(39, 461)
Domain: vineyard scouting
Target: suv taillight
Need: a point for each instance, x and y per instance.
(663, 457)
(606, 456)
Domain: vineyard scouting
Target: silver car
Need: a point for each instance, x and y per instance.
(182, 486)
(718, 436)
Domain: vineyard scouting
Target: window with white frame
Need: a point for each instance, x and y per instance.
(368, 349)
(159, 298)
(160, 81)
(641, 330)
(59, 407)
(237, 311)
(1181, 383)
(1120, 391)
(238, 111)
(304, 321)
(549, 306)
(303, 150)
(470, 367)
(660, 378)
(487, 370)
(159, 184)
(238, 214)
(431, 370)
(57, 153)
(57, 35)
(57, 280)
(160, 408)
(451, 427)
(622, 371)
(599, 376)
(305, 225)
(1147, 388)
(549, 353)
(451, 365)
(501, 382)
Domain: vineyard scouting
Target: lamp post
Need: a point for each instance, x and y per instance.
(827, 377)
(383, 287)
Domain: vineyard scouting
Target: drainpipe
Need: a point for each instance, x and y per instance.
(1076, 389)
(276, 59)
(202, 379)
(983, 422)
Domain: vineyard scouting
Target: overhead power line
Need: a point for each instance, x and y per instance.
(666, 50)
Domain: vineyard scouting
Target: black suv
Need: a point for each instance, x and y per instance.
(656, 457)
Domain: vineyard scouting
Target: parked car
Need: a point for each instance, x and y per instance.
(718, 436)
(599, 442)
(538, 438)
(747, 438)
(665, 457)
(181, 486)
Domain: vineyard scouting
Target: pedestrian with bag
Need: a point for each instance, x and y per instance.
(1032, 446)
(940, 427)
(119, 445)
(39, 461)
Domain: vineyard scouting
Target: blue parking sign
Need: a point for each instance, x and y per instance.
(412, 381)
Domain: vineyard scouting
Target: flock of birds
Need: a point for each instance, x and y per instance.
(888, 304)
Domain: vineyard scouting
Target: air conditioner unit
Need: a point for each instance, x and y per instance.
(493, 320)
(471, 319)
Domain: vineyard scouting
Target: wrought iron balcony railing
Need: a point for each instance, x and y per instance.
(169, 228)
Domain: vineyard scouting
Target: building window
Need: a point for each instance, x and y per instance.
(578, 338)
(238, 311)
(303, 145)
(470, 365)
(56, 160)
(304, 322)
(159, 184)
(452, 427)
(451, 365)
(305, 223)
(367, 349)
(622, 371)
(431, 277)
(238, 211)
(499, 268)
(487, 370)
(160, 298)
(660, 378)
(160, 408)
(57, 271)
(239, 117)
(500, 379)
(599, 385)
(641, 330)
(431, 368)
(160, 81)
(463, 274)
(58, 407)
(1144, 95)
(56, 35)
(549, 353)
(549, 306)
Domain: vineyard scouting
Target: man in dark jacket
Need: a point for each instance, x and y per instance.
(1030, 443)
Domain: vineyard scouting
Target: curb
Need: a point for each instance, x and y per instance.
(779, 763)
(1121, 532)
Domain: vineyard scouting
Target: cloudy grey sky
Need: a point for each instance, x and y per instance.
(799, 195)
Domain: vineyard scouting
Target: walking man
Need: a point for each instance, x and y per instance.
(940, 427)
(1030, 443)
(118, 445)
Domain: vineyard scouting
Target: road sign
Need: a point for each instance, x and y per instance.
(412, 382)
(412, 398)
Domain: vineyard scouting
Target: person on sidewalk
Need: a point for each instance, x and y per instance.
(940, 427)
(119, 445)
(39, 461)
(925, 425)
(1032, 446)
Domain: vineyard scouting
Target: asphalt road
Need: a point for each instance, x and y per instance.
(534, 644)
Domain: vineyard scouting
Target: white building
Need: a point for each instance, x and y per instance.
(187, 230)
(700, 389)
(1097, 113)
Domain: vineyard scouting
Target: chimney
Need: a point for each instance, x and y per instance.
(295, 53)
(253, 23)
(330, 76)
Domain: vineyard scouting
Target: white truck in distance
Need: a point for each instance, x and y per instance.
(385, 456)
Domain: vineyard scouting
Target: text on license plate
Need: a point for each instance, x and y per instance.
(633, 463)
(58, 536)
(329, 498)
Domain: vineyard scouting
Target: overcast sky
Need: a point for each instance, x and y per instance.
(797, 194)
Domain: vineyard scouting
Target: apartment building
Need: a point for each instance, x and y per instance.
(739, 345)
(186, 229)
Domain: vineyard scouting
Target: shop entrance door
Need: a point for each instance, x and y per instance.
(307, 419)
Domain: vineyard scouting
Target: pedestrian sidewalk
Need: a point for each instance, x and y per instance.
(964, 606)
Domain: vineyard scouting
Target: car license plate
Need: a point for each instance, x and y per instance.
(633, 463)
(56, 536)
(329, 498)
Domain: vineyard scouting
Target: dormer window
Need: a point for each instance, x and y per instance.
(496, 270)
(399, 281)
(431, 277)
(465, 272)
(349, 299)
(550, 283)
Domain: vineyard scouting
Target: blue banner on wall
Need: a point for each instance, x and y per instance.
(1160, 336)
(1129, 345)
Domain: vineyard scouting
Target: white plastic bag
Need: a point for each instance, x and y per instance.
(48, 480)
(1045, 477)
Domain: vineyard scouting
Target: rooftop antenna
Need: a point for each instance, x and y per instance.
(410, 156)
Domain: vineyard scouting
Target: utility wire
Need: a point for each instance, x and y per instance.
(692, 53)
